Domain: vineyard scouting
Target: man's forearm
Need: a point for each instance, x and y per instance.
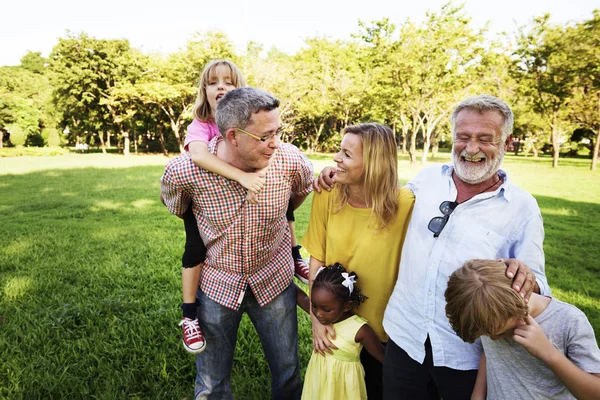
(296, 200)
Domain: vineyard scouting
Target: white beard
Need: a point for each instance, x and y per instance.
(474, 173)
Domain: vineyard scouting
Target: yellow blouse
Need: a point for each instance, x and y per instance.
(350, 237)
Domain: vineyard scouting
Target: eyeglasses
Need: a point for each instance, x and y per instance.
(263, 138)
(437, 224)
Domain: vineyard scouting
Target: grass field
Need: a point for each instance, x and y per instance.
(90, 278)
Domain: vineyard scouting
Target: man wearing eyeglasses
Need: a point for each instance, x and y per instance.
(248, 267)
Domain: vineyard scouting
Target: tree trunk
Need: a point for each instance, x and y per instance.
(175, 130)
(555, 146)
(404, 132)
(412, 151)
(125, 143)
(597, 144)
(135, 143)
(596, 150)
(102, 146)
(534, 148)
(426, 145)
(318, 132)
(108, 139)
(427, 142)
(175, 124)
(429, 137)
(162, 141)
(434, 150)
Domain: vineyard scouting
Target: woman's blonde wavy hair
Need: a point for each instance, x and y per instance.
(380, 179)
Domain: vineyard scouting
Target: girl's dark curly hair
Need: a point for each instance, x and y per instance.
(330, 278)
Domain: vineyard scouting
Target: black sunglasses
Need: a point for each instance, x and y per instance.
(437, 224)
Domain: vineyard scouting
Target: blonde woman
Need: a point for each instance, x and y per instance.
(361, 223)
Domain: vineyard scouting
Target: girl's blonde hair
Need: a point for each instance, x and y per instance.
(480, 299)
(380, 182)
(202, 109)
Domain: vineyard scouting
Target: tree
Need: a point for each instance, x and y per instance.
(33, 62)
(585, 105)
(546, 75)
(85, 72)
(24, 97)
(448, 51)
(330, 94)
(419, 77)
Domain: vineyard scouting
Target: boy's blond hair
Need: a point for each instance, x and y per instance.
(480, 299)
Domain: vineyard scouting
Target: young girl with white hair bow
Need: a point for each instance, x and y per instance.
(339, 375)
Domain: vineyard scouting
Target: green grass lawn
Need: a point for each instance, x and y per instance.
(90, 277)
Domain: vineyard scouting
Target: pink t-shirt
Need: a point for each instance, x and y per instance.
(200, 130)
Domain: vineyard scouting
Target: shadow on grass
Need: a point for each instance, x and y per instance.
(90, 286)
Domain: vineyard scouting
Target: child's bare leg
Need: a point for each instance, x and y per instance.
(190, 277)
(293, 233)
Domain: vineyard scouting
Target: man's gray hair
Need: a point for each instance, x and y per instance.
(483, 103)
(236, 108)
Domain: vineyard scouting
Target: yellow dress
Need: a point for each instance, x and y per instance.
(338, 376)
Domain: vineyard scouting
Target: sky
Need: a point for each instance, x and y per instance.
(165, 26)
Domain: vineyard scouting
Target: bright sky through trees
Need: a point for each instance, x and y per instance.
(162, 26)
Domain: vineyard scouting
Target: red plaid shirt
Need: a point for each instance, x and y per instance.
(247, 244)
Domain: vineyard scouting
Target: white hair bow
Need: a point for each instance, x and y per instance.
(348, 281)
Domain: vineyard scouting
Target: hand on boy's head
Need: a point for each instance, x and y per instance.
(326, 180)
(529, 335)
(524, 281)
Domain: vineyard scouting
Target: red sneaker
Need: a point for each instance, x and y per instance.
(193, 338)
(301, 270)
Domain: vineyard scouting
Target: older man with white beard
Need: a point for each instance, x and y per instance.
(469, 209)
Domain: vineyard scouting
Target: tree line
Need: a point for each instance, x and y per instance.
(104, 93)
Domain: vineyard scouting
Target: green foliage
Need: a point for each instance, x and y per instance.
(24, 97)
(17, 135)
(105, 93)
(547, 76)
(33, 62)
(34, 140)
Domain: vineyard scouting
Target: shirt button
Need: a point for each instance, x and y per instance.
(429, 293)
(427, 320)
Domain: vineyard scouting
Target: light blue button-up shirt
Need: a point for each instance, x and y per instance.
(506, 223)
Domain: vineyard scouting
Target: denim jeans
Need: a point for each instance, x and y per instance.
(277, 327)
